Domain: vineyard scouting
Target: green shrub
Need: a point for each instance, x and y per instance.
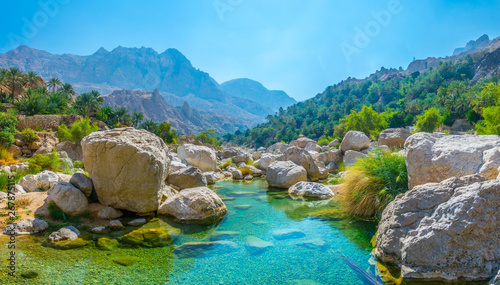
(77, 131)
(491, 123)
(367, 121)
(208, 137)
(227, 163)
(29, 135)
(323, 142)
(373, 182)
(7, 128)
(429, 121)
(78, 164)
(41, 162)
(249, 162)
(55, 212)
(4, 182)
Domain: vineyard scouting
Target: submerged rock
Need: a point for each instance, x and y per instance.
(128, 168)
(311, 190)
(105, 243)
(284, 174)
(446, 230)
(283, 234)
(197, 205)
(195, 249)
(255, 245)
(157, 237)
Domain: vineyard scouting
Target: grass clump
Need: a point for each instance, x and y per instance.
(29, 135)
(245, 170)
(55, 212)
(77, 131)
(227, 163)
(373, 182)
(6, 157)
(23, 201)
(41, 162)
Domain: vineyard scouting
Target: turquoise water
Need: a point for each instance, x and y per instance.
(254, 212)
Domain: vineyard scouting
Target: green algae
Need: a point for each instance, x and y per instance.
(106, 243)
(158, 237)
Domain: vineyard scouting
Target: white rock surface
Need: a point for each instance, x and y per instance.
(284, 174)
(311, 190)
(354, 140)
(200, 156)
(68, 198)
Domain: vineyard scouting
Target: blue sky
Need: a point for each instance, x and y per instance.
(292, 45)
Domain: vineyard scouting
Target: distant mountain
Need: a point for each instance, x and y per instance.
(184, 119)
(255, 91)
(144, 69)
(472, 46)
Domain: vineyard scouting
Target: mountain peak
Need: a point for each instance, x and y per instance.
(101, 51)
(472, 45)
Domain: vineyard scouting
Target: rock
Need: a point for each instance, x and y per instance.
(255, 245)
(265, 160)
(41, 181)
(242, 207)
(137, 222)
(157, 237)
(126, 260)
(394, 138)
(351, 156)
(434, 157)
(278, 148)
(66, 233)
(256, 155)
(241, 165)
(190, 177)
(333, 143)
(82, 182)
(98, 229)
(3, 196)
(108, 213)
(220, 235)
(26, 226)
(195, 249)
(47, 142)
(303, 158)
(68, 198)
(197, 205)
(176, 166)
(311, 190)
(67, 244)
(312, 146)
(115, 224)
(113, 159)
(237, 175)
(255, 171)
(14, 150)
(64, 177)
(315, 243)
(496, 279)
(212, 177)
(248, 177)
(333, 156)
(200, 156)
(446, 230)
(73, 150)
(283, 234)
(17, 190)
(104, 243)
(354, 140)
(284, 174)
(302, 142)
(29, 274)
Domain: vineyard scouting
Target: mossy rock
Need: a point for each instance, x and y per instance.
(106, 243)
(30, 274)
(67, 244)
(328, 214)
(126, 260)
(222, 235)
(157, 237)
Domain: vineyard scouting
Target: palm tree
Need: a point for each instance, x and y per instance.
(149, 125)
(137, 117)
(54, 83)
(15, 79)
(32, 79)
(122, 115)
(3, 78)
(67, 89)
(87, 104)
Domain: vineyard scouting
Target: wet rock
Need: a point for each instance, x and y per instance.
(195, 249)
(283, 234)
(242, 207)
(126, 260)
(311, 190)
(157, 237)
(105, 243)
(29, 274)
(255, 245)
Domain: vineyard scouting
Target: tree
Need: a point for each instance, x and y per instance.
(87, 104)
(32, 79)
(122, 116)
(491, 123)
(67, 89)
(137, 117)
(429, 121)
(489, 96)
(367, 121)
(54, 83)
(208, 137)
(15, 79)
(149, 125)
(166, 132)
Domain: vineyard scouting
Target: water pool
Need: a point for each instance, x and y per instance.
(266, 238)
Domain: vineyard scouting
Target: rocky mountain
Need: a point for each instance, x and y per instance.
(252, 90)
(473, 45)
(184, 119)
(144, 69)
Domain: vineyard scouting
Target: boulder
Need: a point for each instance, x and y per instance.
(496, 279)
(211, 177)
(351, 156)
(284, 234)
(311, 190)
(435, 157)
(278, 148)
(394, 138)
(66, 233)
(256, 155)
(237, 154)
(333, 143)
(237, 174)
(41, 181)
(187, 178)
(303, 158)
(197, 205)
(26, 226)
(47, 141)
(354, 140)
(256, 246)
(115, 224)
(302, 142)
(128, 168)
(108, 213)
(284, 174)
(313, 146)
(82, 182)
(446, 230)
(68, 198)
(332, 156)
(157, 237)
(73, 150)
(176, 166)
(200, 156)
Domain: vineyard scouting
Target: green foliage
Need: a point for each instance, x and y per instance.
(472, 116)
(7, 128)
(208, 137)
(88, 104)
(491, 123)
(429, 121)
(41, 162)
(367, 121)
(29, 135)
(39, 101)
(4, 181)
(227, 163)
(163, 130)
(78, 164)
(77, 131)
(55, 212)
(323, 142)
(373, 182)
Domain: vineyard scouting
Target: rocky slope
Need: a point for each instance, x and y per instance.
(184, 119)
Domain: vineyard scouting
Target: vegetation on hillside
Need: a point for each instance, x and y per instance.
(373, 104)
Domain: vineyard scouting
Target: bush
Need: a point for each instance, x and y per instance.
(491, 123)
(227, 163)
(367, 121)
(208, 137)
(323, 142)
(55, 212)
(41, 162)
(429, 121)
(373, 182)
(77, 132)
(6, 157)
(4, 182)
(29, 135)
(78, 164)
(7, 128)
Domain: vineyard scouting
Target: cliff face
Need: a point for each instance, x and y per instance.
(487, 66)
(481, 42)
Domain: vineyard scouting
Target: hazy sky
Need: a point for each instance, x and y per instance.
(294, 45)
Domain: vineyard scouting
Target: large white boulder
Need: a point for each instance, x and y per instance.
(189, 177)
(200, 156)
(194, 205)
(265, 160)
(351, 157)
(435, 157)
(311, 190)
(68, 198)
(284, 174)
(41, 181)
(394, 138)
(128, 168)
(446, 230)
(303, 158)
(302, 142)
(354, 140)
